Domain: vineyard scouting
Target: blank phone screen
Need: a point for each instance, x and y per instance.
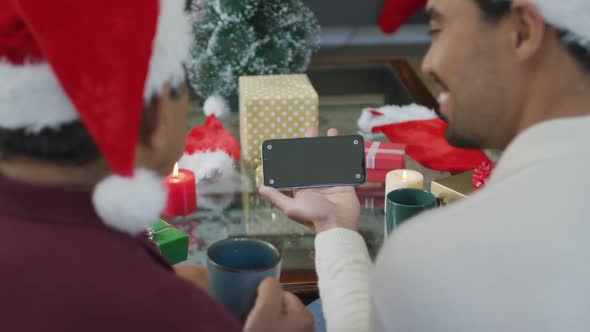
(313, 162)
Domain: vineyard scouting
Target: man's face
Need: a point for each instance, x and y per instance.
(469, 61)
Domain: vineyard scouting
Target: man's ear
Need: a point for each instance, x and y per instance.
(528, 30)
(154, 123)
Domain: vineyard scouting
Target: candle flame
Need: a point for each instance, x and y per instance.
(175, 171)
(404, 175)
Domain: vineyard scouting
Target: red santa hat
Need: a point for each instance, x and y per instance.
(424, 134)
(98, 62)
(211, 151)
(396, 12)
(569, 15)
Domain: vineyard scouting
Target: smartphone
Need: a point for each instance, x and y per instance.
(314, 162)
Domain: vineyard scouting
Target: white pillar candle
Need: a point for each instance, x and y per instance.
(403, 178)
(398, 179)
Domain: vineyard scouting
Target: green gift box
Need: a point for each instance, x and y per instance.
(173, 244)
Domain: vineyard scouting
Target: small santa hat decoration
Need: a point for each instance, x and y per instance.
(569, 15)
(211, 151)
(424, 134)
(98, 62)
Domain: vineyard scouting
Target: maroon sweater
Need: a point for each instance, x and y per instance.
(62, 270)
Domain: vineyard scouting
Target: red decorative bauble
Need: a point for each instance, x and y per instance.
(482, 174)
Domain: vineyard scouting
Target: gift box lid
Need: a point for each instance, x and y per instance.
(384, 155)
(173, 244)
(277, 87)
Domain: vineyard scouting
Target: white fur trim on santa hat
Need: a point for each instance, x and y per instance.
(129, 205)
(570, 15)
(171, 48)
(208, 166)
(216, 105)
(32, 98)
(392, 114)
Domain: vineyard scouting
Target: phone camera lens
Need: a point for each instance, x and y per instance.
(356, 142)
(358, 176)
(271, 181)
(269, 147)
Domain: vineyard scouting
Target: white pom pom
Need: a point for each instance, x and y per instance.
(129, 205)
(216, 105)
(364, 121)
(209, 166)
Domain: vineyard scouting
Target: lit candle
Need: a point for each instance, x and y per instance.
(403, 178)
(182, 193)
(400, 179)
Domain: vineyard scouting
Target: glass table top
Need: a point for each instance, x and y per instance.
(233, 208)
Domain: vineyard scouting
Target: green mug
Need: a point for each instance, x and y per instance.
(403, 204)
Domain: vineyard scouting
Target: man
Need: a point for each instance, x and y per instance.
(92, 116)
(513, 75)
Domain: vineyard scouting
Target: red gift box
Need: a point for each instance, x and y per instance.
(371, 196)
(381, 157)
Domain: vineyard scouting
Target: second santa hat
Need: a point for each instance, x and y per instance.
(98, 62)
(569, 15)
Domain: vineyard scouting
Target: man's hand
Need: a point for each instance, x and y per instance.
(277, 310)
(319, 208)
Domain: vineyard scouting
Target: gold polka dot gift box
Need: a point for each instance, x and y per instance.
(274, 106)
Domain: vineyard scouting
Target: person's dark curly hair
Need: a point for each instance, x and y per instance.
(68, 145)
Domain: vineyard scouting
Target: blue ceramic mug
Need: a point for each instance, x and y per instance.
(236, 266)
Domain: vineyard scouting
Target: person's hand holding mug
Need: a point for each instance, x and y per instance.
(319, 208)
(277, 310)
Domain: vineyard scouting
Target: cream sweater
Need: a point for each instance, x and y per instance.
(513, 257)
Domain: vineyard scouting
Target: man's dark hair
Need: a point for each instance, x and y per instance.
(494, 10)
(68, 145)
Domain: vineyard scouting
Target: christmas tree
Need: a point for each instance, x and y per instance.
(248, 37)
